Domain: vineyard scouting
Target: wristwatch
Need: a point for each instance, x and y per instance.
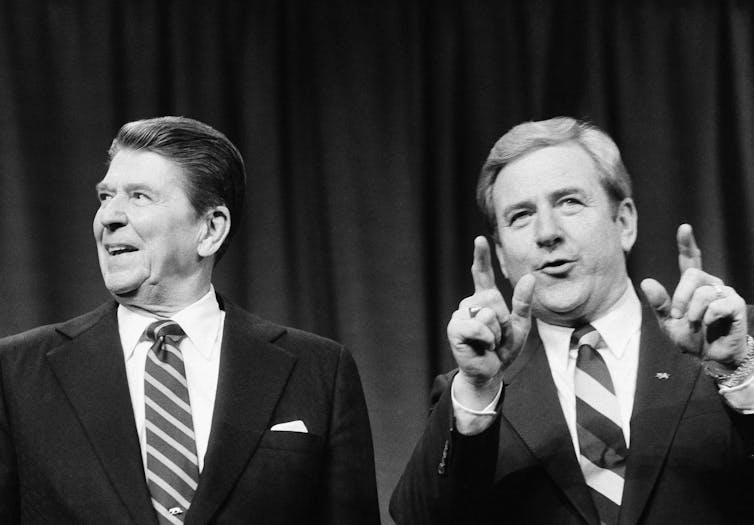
(740, 374)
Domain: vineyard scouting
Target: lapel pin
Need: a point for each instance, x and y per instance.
(175, 511)
(662, 375)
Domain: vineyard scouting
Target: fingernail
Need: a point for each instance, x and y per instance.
(676, 313)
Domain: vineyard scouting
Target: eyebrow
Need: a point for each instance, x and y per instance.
(517, 206)
(102, 186)
(555, 195)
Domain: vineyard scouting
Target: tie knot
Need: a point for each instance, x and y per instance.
(163, 328)
(586, 335)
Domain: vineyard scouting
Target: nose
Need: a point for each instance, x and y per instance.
(547, 229)
(112, 214)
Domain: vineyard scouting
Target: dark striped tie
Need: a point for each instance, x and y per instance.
(602, 447)
(172, 464)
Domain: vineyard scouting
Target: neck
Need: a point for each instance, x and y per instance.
(162, 305)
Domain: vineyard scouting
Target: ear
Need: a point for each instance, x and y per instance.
(214, 231)
(626, 219)
(500, 258)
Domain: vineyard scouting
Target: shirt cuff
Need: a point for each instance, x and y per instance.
(740, 397)
(470, 422)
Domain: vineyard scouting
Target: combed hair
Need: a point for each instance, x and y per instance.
(214, 172)
(531, 136)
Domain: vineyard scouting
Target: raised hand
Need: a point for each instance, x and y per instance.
(704, 317)
(484, 335)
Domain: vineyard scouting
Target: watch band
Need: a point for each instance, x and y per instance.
(744, 370)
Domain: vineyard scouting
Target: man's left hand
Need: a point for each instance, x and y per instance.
(704, 317)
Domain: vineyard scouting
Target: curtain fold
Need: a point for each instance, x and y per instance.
(363, 125)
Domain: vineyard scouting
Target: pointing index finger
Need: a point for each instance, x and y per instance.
(689, 254)
(481, 270)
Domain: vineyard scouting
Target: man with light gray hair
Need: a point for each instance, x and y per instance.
(584, 402)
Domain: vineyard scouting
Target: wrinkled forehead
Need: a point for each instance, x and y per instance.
(145, 168)
(547, 171)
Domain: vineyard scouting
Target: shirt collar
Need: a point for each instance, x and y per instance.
(201, 321)
(616, 327)
(619, 324)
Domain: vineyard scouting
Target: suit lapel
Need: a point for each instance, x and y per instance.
(658, 405)
(253, 374)
(91, 371)
(531, 409)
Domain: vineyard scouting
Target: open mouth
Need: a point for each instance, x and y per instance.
(557, 266)
(119, 249)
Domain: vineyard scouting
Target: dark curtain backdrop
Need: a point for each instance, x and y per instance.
(363, 125)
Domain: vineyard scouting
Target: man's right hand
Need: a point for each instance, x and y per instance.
(484, 336)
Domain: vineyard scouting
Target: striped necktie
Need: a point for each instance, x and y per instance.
(172, 464)
(602, 446)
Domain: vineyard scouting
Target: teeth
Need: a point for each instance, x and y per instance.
(117, 250)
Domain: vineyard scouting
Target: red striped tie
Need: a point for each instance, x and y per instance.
(172, 463)
(602, 446)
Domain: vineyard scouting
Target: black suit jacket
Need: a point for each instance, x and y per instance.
(69, 451)
(690, 458)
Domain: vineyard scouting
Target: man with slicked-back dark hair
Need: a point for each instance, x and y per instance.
(170, 404)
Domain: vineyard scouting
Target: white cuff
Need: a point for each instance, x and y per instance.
(740, 397)
(470, 422)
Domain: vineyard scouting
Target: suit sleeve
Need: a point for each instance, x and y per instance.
(9, 494)
(449, 476)
(350, 490)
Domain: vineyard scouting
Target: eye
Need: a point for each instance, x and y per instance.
(570, 204)
(519, 218)
(104, 196)
(140, 196)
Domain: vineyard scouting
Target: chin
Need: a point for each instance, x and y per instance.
(121, 288)
(556, 307)
(122, 295)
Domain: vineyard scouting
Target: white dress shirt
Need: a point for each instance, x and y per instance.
(203, 324)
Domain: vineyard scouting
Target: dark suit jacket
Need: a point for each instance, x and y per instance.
(69, 451)
(690, 458)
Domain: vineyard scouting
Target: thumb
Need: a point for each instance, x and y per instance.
(518, 324)
(658, 297)
(521, 301)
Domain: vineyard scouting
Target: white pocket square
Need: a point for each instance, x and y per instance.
(290, 426)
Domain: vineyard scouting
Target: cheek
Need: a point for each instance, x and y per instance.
(518, 244)
(97, 225)
(605, 250)
(516, 258)
(171, 248)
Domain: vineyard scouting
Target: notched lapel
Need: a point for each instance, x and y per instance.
(92, 374)
(532, 412)
(253, 375)
(664, 382)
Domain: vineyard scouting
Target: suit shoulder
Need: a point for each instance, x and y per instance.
(310, 347)
(30, 337)
(292, 339)
(55, 333)
(298, 336)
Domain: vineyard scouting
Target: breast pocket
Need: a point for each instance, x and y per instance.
(291, 441)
